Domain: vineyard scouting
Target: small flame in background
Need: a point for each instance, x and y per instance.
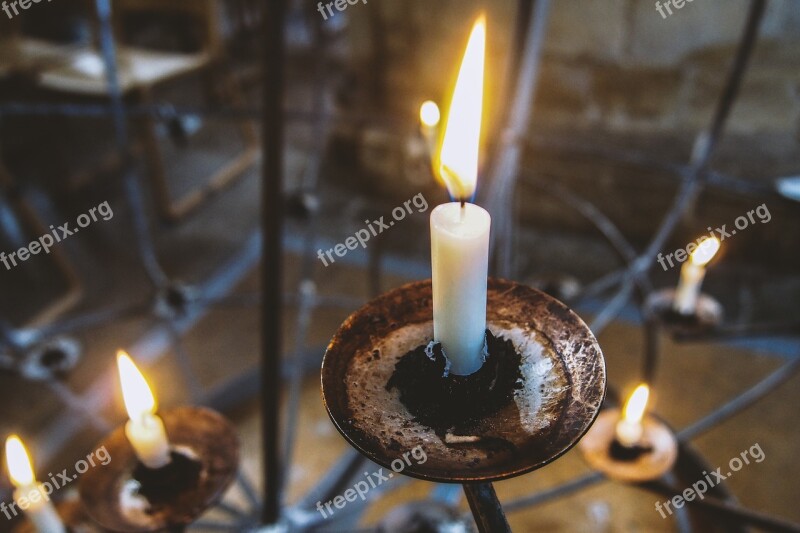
(19, 464)
(429, 114)
(705, 251)
(636, 404)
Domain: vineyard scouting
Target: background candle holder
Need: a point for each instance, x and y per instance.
(653, 458)
(113, 495)
(564, 384)
(707, 316)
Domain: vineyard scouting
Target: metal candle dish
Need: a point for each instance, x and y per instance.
(660, 449)
(112, 496)
(707, 316)
(564, 383)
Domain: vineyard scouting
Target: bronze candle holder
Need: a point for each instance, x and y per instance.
(708, 314)
(126, 496)
(562, 385)
(653, 457)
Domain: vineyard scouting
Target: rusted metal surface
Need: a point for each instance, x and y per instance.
(563, 371)
(109, 493)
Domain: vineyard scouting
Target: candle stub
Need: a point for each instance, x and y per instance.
(460, 263)
(29, 495)
(688, 291)
(38, 508)
(692, 274)
(145, 430)
(149, 440)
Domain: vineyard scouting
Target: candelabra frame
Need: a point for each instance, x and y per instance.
(631, 280)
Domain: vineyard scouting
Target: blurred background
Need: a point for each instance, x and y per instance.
(627, 104)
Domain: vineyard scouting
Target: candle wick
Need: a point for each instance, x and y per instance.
(462, 212)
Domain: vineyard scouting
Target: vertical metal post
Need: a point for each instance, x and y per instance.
(271, 216)
(486, 508)
(505, 167)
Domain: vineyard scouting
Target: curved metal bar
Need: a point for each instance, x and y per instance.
(555, 492)
(133, 190)
(743, 331)
(504, 173)
(743, 401)
(603, 224)
(704, 146)
(724, 509)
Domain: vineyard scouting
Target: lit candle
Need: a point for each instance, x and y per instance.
(460, 231)
(429, 117)
(629, 429)
(29, 494)
(145, 430)
(692, 274)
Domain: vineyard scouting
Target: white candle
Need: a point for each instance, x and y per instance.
(460, 231)
(692, 274)
(429, 117)
(460, 261)
(629, 429)
(145, 430)
(29, 495)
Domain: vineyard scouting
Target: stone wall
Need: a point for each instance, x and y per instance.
(615, 73)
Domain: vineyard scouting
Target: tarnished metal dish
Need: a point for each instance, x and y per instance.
(563, 386)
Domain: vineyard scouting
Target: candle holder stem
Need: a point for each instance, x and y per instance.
(486, 509)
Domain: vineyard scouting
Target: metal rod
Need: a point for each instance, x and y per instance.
(547, 495)
(742, 401)
(486, 508)
(271, 214)
(133, 190)
(743, 331)
(306, 288)
(504, 173)
(704, 146)
(727, 510)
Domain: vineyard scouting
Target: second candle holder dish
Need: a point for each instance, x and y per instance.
(561, 386)
(707, 316)
(654, 456)
(126, 496)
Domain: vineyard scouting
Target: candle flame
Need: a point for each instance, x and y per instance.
(429, 114)
(458, 165)
(705, 251)
(19, 464)
(139, 399)
(636, 404)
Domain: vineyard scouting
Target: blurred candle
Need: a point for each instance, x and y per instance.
(629, 429)
(692, 274)
(145, 430)
(30, 495)
(429, 117)
(460, 231)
